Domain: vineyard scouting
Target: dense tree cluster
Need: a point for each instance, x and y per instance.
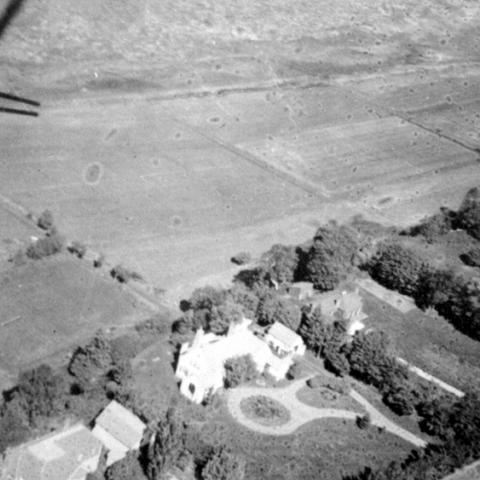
(332, 254)
(51, 244)
(239, 370)
(434, 226)
(280, 263)
(273, 308)
(168, 445)
(397, 267)
(472, 257)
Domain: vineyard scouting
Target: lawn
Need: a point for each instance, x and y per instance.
(427, 341)
(51, 305)
(324, 449)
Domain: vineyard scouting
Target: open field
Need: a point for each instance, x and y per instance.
(173, 188)
(49, 306)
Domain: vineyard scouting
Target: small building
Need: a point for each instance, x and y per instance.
(119, 430)
(70, 454)
(301, 290)
(284, 341)
(200, 366)
(349, 305)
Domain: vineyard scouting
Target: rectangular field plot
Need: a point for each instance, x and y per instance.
(251, 116)
(51, 305)
(458, 121)
(357, 158)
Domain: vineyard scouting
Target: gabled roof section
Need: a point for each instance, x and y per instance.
(56, 456)
(284, 335)
(121, 423)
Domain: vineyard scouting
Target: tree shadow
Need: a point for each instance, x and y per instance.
(11, 11)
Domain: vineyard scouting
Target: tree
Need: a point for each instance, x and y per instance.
(469, 213)
(246, 298)
(206, 298)
(45, 220)
(273, 308)
(398, 268)
(241, 258)
(91, 360)
(224, 465)
(77, 248)
(364, 421)
(331, 255)
(239, 370)
(314, 331)
(128, 468)
(400, 398)
(472, 257)
(46, 246)
(223, 315)
(371, 362)
(168, 445)
(280, 262)
(13, 428)
(336, 361)
(434, 226)
(40, 392)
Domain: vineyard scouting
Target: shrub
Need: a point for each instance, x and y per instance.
(295, 371)
(239, 370)
(124, 275)
(224, 465)
(315, 382)
(472, 257)
(364, 421)
(77, 248)
(45, 220)
(241, 258)
(433, 227)
(45, 247)
(99, 261)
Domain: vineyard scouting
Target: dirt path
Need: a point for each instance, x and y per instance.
(301, 413)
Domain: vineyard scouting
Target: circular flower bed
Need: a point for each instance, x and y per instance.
(264, 410)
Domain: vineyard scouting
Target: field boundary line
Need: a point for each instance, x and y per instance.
(280, 174)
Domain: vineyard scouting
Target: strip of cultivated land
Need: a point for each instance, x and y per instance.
(174, 188)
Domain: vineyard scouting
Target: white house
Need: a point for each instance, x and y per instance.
(69, 454)
(119, 430)
(284, 341)
(200, 366)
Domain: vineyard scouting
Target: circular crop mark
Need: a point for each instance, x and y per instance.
(264, 410)
(93, 173)
(177, 221)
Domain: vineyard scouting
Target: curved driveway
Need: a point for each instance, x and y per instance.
(301, 413)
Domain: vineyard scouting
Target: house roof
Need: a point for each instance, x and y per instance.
(121, 423)
(284, 335)
(58, 456)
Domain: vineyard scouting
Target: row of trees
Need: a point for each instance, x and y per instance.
(455, 297)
